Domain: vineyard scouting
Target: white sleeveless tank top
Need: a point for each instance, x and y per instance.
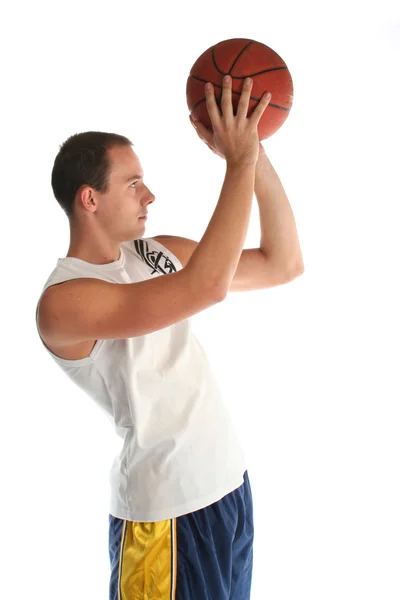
(180, 451)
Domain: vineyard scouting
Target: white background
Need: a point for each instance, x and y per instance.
(309, 370)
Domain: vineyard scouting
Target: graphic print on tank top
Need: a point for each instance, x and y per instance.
(159, 262)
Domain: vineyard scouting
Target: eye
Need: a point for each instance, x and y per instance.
(133, 183)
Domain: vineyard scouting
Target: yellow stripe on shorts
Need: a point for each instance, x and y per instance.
(148, 561)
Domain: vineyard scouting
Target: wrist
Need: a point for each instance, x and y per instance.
(263, 162)
(243, 163)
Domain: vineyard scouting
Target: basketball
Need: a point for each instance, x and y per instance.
(241, 58)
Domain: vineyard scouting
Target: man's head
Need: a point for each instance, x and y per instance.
(98, 181)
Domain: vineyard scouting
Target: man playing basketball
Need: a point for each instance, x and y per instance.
(115, 316)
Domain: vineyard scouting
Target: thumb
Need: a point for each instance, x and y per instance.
(202, 130)
(193, 121)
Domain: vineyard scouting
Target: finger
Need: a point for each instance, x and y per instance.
(260, 108)
(244, 99)
(226, 103)
(212, 107)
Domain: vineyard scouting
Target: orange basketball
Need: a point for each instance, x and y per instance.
(241, 58)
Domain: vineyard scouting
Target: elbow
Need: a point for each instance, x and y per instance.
(296, 271)
(219, 294)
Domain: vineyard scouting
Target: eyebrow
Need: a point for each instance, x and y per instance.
(133, 177)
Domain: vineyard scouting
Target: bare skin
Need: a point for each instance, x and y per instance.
(104, 221)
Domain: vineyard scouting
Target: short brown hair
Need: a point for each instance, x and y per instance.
(83, 160)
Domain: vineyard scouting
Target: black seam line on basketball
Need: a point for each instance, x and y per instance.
(256, 99)
(234, 62)
(238, 77)
(218, 100)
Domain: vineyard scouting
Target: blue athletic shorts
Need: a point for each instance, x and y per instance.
(203, 555)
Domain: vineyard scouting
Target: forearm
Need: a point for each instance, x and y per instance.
(218, 252)
(279, 238)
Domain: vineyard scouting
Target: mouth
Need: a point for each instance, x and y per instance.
(143, 218)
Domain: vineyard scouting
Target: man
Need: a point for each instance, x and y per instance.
(114, 314)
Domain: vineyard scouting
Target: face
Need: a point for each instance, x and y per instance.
(128, 198)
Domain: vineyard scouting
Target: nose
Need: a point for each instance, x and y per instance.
(149, 199)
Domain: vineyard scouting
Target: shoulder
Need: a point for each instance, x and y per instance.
(181, 247)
